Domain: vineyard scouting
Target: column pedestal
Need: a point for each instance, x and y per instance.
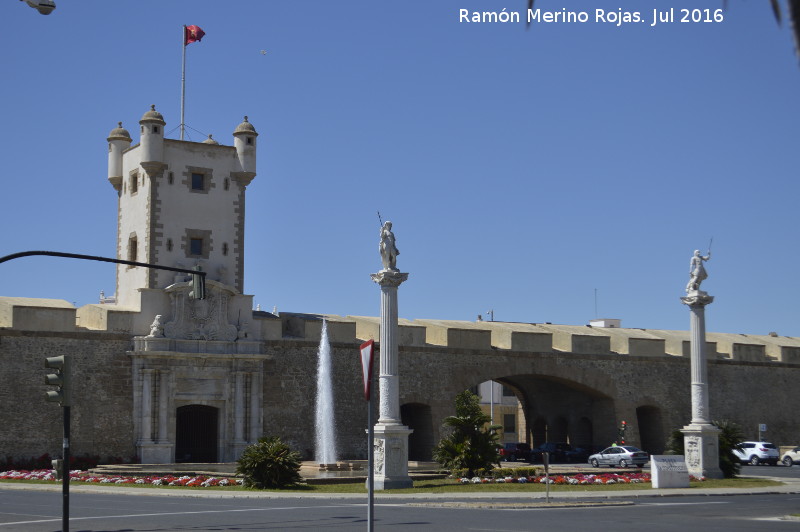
(391, 457)
(701, 449)
(390, 436)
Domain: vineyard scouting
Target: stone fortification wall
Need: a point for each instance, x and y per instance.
(556, 371)
(102, 400)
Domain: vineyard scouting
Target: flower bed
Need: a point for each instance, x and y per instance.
(578, 479)
(573, 480)
(159, 480)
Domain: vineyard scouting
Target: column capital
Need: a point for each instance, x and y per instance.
(697, 298)
(389, 277)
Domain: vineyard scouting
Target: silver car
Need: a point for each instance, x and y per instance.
(621, 456)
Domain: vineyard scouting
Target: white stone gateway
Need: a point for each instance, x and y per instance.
(669, 471)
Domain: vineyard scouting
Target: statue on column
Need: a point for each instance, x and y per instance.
(387, 247)
(697, 272)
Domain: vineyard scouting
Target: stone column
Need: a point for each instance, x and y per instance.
(255, 407)
(391, 436)
(146, 435)
(163, 406)
(700, 437)
(239, 442)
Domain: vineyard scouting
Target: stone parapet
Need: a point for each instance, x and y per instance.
(408, 333)
(459, 335)
(309, 327)
(146, 344)
(739, 347)
(37, 314)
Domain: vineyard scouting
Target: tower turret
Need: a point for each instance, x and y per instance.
(119, 140)
(244, 140)
(152, 140)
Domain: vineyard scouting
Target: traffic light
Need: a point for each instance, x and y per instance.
(60, 378)
(198, 284)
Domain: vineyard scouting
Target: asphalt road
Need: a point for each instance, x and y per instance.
(150, 511)
(40, 511)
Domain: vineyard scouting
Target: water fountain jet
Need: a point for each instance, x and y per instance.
(325, 438)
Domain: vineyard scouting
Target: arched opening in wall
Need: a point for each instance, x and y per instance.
(502, 402)
(562, 410)
(559, 431)
(539, 431)
(417, 417)
(196, 429)
(582, 435)
(651, 429)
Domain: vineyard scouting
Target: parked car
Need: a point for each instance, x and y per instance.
(757, 452)
(792, 457)
(621, 456)
(558, 452)
(511, 452)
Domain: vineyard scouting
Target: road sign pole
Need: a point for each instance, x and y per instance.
(366, 351)
(370, 465)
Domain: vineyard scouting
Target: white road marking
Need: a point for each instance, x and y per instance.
(179, 513)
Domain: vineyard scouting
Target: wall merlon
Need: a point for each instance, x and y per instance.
(268, 324)
(456, 334)
(309, 327)
(37, 314)
(105, 318)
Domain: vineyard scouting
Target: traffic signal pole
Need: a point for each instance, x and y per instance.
(198, 276)
(65, 473)
(61, 364)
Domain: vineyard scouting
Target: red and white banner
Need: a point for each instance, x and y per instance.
(192, 34)
(367, 349)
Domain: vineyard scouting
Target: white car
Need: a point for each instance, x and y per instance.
(620, 456)
(791, 457)
(757, 452)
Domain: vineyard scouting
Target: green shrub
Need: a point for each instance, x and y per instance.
(270, 463)
(468, 445)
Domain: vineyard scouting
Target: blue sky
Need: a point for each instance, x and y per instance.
(525, 171)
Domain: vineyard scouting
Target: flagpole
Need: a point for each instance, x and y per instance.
(183, 76)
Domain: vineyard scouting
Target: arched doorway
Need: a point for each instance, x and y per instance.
(651, 430)
(196, 434)
(417, 416)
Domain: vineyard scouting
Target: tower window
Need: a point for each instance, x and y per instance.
(170, 178)
(249, 140)
(225, 248)
(133, 249)
(134, 187)
(198, 181)
(226, 184)
(197, 243)
(169, 244)
(195, 246)
(155, 129)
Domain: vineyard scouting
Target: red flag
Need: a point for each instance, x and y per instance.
(192, 34)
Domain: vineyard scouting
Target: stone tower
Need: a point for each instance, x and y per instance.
(181, 204)
(197, 375)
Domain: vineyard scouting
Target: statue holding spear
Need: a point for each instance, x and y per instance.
(697, 271)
